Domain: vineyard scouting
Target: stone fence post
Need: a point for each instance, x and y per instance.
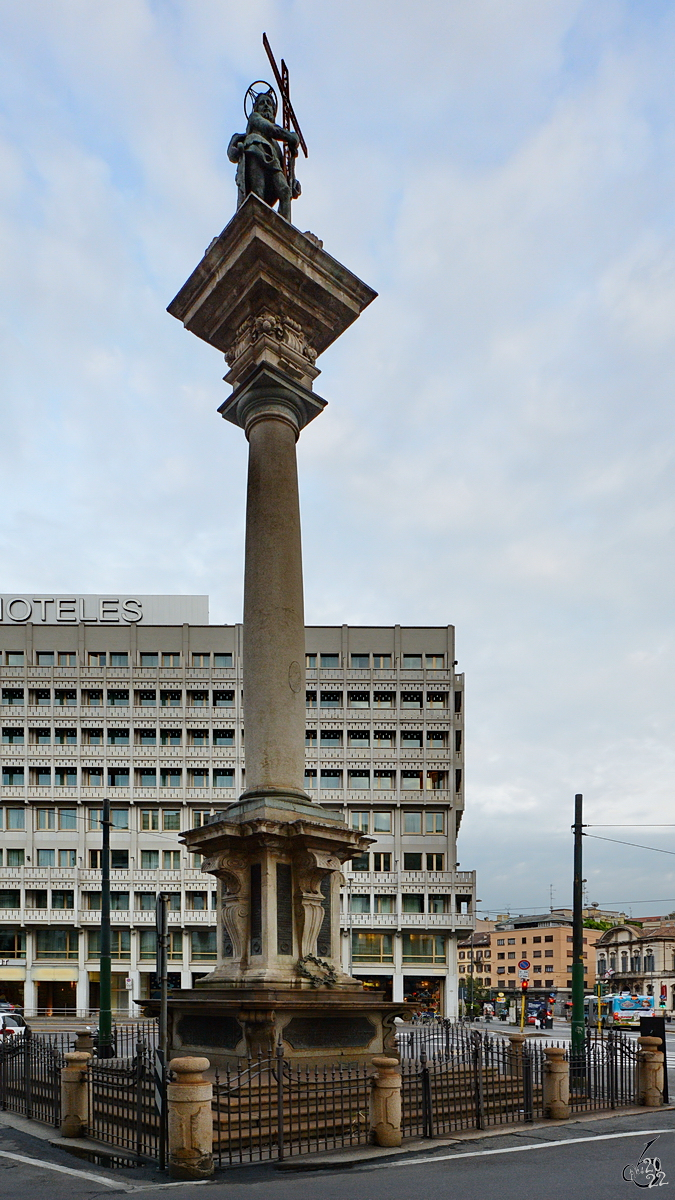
(190, 1120)
(74, 1097)
(517, 1040)
(385, 1102)
(556, 1084)
(650, 1072)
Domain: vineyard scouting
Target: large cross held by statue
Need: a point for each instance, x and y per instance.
(288, 116)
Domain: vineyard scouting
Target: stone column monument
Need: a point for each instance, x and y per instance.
(271, 299)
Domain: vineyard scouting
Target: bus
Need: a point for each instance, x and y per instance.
(621, 1010)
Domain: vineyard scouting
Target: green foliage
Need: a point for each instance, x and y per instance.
(592, 923)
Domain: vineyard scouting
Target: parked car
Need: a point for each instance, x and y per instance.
(12, 1025)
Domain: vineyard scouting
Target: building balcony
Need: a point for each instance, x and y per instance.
(375, 921)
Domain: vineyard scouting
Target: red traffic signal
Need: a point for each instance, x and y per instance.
(525, 984)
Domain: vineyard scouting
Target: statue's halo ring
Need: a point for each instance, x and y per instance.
(257, 88)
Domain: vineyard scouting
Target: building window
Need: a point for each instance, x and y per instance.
(360, 821)
(171, 660)
(330, 662)
(310, 779)
(198, 777)
(385, 904)
(170, 777)
(12, 944)
(15, 858)
(423, 948)
(358, 699)
(12, 776)
(16, 819)
(223, 777)
(439, 904)
(119, 860)
(310, 738)
(171, 737)
(149, 860)
(382, 662)
(413, 904)
(331, 700)
(331, 739)
(358, 737)
(118, 777)
(95, 860)
(65, 900)
(223, 699)
(412, 822)
(360, 862)
(92, 699)
(65, 737)
(436, 781)
(310, 699)
(223, 737)
(412, 662)
(56, 944)
(412, 862)
(384, 781)
(149, 818)
(171, 818)
(384, 699)
(15, 658)
(433, 822)
(381, 861)
(435, 662)
(65, 777)
(149, 659)
(119, 659)
(411, 739)
(358, 780)
(382, 822)
(434, 862)
(12, 696)
(118, 698)
(171, 860)
(331, 779)
(201, 817)
(146, 777)
(437, 699)
(145, 699)
(372, 947)
(46, 858)
(198, 737)
(145, 901)
(310, 661)
(359, 904)
(12, 737)
(196, 901)
(170, 699)
(201, 660)
(360, 662)
(203, 945)
(198, 699)
(411, 699)
(10, 898)
(223, 660)
(411, 781)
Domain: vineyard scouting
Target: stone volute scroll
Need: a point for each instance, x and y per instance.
(233, 880)
(311, 868)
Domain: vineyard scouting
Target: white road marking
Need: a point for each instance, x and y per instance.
(601, 1137)
(39, 1162)
(111, 1183)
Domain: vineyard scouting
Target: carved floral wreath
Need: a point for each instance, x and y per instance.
(326, 975)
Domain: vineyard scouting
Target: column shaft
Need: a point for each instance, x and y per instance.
(274, 618)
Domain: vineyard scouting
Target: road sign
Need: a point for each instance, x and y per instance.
(524, 964)
(523, 975)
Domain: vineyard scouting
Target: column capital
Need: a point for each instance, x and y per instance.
(269, 393)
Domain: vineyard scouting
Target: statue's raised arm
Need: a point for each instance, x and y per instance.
(259, 158)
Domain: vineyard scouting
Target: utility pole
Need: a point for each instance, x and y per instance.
(578, 1031)
(162, 930)
(105, 1046)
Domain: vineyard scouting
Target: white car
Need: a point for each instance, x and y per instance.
(11, 1026)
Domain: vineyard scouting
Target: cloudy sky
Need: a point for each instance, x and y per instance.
(497, 452)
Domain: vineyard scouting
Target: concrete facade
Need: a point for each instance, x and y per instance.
(153, 714)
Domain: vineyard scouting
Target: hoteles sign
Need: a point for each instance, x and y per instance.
(104, 610)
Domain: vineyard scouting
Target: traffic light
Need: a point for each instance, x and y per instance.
(525, 984)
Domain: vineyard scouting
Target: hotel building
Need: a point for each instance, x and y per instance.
(140, 699)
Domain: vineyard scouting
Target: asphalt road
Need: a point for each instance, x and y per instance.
(585, 1160)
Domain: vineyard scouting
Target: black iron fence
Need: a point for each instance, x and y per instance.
(267, 1107)
(30, 1078)
(124, 1107)
(477, 1080)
